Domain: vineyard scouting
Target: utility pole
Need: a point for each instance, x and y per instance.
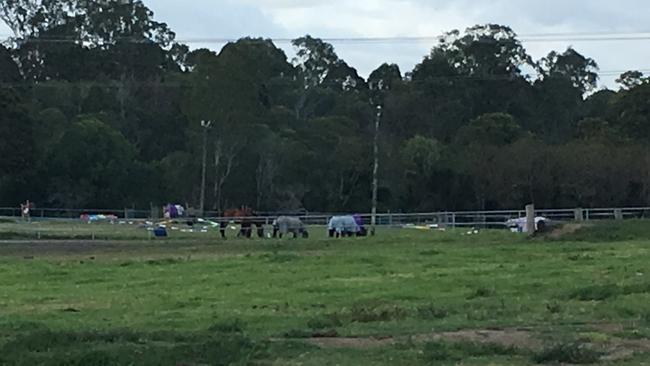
(375, 171)
(206, 126)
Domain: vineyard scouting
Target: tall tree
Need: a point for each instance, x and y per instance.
(631, 79)
(573, 66)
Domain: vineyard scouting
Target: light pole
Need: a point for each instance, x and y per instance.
(206, 126)
(375, 171)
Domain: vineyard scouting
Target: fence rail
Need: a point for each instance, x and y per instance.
(483, 219)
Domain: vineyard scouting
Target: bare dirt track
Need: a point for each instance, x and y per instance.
(62, 248)
(506, 337)
(614, 348)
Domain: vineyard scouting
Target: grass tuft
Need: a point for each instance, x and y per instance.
(596, 292)
(434, 352)
(431, 312)
(228, 326)
(481, 292)
(325, 322)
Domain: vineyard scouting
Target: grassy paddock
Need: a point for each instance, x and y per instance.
(404, 297)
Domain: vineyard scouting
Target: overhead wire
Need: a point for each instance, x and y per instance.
(524, 38)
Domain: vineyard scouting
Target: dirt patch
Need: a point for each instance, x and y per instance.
(54, 247)
(351, 342)
(507, 337)
(81, 248)
(566, 229)
(614, 349)
(608, 328)
(517, 338)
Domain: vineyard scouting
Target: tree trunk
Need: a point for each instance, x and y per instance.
(221, 175)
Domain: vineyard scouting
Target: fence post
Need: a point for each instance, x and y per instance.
(618, 214)
(530, 219)
(578, 215)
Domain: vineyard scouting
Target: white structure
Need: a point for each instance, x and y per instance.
(520, 226)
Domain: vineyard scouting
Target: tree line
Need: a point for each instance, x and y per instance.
(101, 107)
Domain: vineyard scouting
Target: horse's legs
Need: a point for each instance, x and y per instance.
(260, 231)
(249, 232)
(222, 231)
(331, 233)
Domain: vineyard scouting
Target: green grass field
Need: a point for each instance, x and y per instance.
(405, 297)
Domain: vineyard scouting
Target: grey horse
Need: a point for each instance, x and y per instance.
(284, 225)
(341, 226)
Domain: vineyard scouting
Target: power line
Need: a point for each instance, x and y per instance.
(524, 38)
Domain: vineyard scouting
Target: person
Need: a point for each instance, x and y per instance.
(25, 210)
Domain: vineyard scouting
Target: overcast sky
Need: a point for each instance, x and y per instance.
(193, 19)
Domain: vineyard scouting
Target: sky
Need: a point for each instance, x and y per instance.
(232, 19)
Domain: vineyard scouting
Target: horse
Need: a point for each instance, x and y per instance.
(245, 217)
(284, 225)
(342, 226)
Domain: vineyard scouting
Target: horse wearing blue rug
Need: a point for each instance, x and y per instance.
(342, 226)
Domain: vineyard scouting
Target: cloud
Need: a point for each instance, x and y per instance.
(215, 19)
(388, 18)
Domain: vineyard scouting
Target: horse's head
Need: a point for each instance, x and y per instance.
(246, 211)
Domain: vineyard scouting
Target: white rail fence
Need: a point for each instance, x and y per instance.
(481, 219)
